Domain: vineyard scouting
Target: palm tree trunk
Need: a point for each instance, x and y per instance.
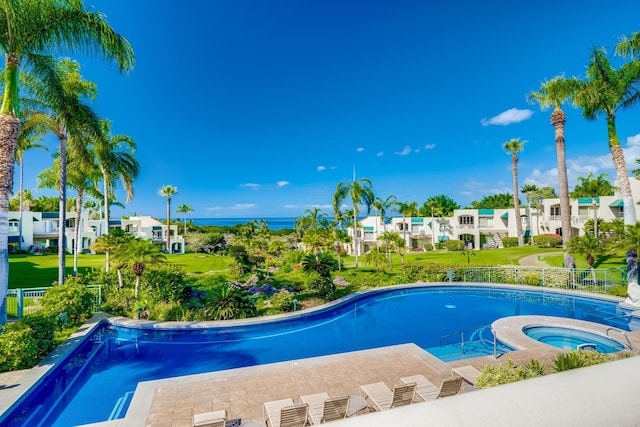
(623, 183)
(558, 120)
(355, 233)
(62, 207)
(76, 233)
(9, 128)
(137, 286)
(168, 224)
(20, 200)
(516, 199)
(105, 189)
(595, 217)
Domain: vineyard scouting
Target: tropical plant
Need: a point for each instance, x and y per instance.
(440, 205)
(71, 299)
(383, 207)
(109, 243)
(407, 210)
(376, 258)
(339, 237)
(530, 191)
(138, 254)
(321, 264)
(224, 303)
(554, 93)
(184, 209)
(493, 375)
(494, 201)
(360, 192)
(312, 220)
(31, 130)
(513, 147)
(592, 187)
(167, 192)
(115, 157)
(588, 245)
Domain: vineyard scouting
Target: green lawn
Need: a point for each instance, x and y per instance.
(31, 271)
(35, 271)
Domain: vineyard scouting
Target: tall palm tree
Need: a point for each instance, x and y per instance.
(33, 126)
(513, 147)
(69, 115)
(605, 91)
(629, 47)
(360, 193)
(167, 192)
(554, 93)
(80, 176)
(115, 156)
(29, 31)
(530, 191)
(184, 209)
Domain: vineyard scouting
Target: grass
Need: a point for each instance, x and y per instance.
(36, 271)
(31, 271)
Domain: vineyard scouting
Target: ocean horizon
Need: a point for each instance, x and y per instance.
(275, 223)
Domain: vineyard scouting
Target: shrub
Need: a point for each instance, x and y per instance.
(283, 300)
(618, 291)
(531, 280)
(509, 242)
(500, 374)
(454, 245)
(548, 240)
(18, 349)
(72, 298)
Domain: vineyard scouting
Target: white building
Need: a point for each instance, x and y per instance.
(40, 230)
(485, 228)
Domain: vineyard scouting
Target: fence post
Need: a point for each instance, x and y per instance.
(20, 299)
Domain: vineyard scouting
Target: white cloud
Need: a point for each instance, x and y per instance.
(512, 115)
(251, 185)
(282, 183)
(430, 146)
(320, 168)
(359, 149)
(405, 151)
(243, 206)
(332, 168)
(380, 154)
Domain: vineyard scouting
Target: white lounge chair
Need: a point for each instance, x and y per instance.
(427, 391)
(284, 413)
(322, 408)
(382, 397)
(468, 373)
(210, 419)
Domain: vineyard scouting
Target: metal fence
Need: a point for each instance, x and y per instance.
(592, 280)
(22, 302)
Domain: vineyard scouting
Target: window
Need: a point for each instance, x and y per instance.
(484, 221)
(14, 225)
(466, 220)
(524, 220)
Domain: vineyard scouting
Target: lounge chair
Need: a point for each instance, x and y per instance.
(427, 391)
(210, 419)
(382, 397)
(284, 413)
(468, 373)
(322, 408)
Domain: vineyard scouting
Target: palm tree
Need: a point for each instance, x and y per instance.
(530, 191)
(407, 209)
(184, 209)
(513, 147)
(29, 31)
(339, 237)
(167, 191)
(376, 258)
(553, 93)
(629, 47)
(382, 207)
(116, 160)
(226, 303)
(138, 254)
(588, 245)
(606, 91)
(109, 243)
(29, 137)
(360, 192)
(68, 115)
(593, 187)
(390, 239)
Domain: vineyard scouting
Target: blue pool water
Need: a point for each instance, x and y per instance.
(95, 382)
(570, 339)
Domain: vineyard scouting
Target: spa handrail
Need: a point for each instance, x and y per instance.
(628, 345)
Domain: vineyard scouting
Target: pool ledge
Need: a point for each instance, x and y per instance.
(510, 330)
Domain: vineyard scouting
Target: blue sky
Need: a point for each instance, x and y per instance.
(259, 108)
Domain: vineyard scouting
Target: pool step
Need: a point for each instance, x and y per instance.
(121, 404)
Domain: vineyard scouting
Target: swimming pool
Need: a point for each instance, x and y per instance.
(572, 339)
(103, 372)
